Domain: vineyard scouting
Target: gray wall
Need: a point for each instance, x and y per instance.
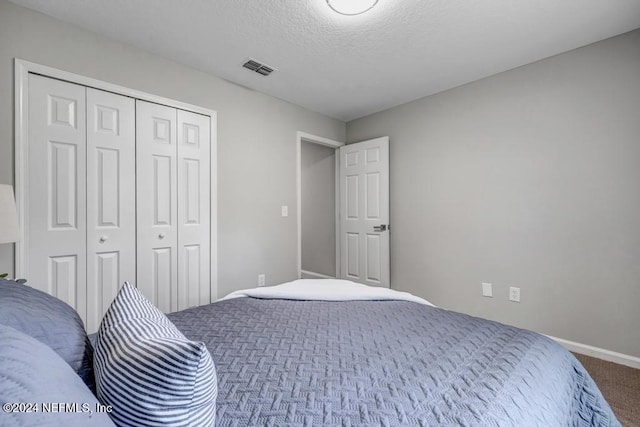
(256, 137)
(318, 178)
(529, 178)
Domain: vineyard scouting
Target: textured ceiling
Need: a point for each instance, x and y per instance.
(348, 67)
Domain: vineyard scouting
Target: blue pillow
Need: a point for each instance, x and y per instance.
(148, 371)
(49, 320)
(50, 392)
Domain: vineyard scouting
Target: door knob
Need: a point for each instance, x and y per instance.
(161, 235)
(380, 228)
(103, 239)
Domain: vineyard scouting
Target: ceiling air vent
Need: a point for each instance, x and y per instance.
(258, 67)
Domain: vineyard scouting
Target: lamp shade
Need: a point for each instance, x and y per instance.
(8, 215)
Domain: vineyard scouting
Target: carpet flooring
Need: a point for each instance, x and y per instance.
(619, 384)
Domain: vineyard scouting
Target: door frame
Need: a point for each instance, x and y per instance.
(314, 139)
(22, 69)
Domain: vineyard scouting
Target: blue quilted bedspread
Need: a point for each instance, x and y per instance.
(386, 363)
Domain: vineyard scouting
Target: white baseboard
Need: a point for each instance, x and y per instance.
(316, 275)
(599, 353)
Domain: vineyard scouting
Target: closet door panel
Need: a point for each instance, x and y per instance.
(111, 199)
(157, 211)
(194, 142)
(56, 190)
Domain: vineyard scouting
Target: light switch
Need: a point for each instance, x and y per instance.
(285, 210)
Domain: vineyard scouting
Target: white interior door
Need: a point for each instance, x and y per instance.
(56, 229)
(157, 209)
(364, 212)
(194, 143)
(111, 199)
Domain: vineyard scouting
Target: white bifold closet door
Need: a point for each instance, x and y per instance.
(56, 191)
(173, 202)
(80, 194)
(111, 199)
(194, 181)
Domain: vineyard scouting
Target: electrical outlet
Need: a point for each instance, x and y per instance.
(261, 279)
(285, 210)
(514, 294)
(487, 290)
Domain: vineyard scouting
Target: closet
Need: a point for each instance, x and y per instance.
(116, 188)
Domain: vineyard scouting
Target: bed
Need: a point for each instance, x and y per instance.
(321, 353)
(338, 353)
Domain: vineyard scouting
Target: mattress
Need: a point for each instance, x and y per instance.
(297, 362)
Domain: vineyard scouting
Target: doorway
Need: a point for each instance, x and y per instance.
(317, 166)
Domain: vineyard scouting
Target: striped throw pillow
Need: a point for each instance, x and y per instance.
(146, 369)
